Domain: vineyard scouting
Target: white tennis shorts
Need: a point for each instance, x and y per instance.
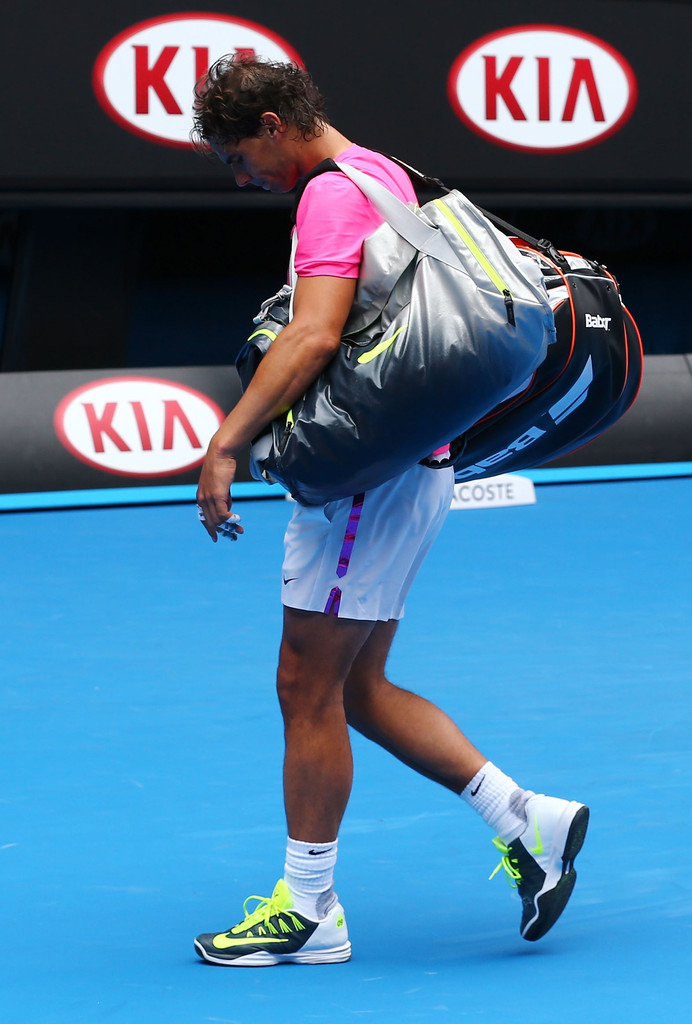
(356, 558)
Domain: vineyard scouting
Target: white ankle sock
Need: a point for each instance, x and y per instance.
(499, 801)
(309, 874)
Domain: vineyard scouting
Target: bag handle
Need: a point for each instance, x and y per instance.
(543, 245)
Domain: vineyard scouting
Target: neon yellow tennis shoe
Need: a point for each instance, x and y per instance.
(272, 933)
(540, 862)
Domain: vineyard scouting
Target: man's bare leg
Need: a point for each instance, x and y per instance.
(331, 671)
(410, 727)
(317, 652)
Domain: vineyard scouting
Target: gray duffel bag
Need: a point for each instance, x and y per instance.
(450, 320)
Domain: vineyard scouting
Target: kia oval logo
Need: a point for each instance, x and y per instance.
(542, 88)
(144, 77)
(137, 426)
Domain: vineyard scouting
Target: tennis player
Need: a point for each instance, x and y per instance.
(348, 566)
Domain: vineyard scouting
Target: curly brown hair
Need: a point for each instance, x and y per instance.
(236, 91)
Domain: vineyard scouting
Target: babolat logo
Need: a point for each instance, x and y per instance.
(594, 320)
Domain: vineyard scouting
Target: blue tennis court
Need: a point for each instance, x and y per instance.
(141, 798)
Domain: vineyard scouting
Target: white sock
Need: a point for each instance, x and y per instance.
(309, 874)
(499, 801)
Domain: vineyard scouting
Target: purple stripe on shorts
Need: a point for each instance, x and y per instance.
(334, 599)
(333, 602)
(350, 535)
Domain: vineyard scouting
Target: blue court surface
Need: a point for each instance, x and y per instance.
(141, 756)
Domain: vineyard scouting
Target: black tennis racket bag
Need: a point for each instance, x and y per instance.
(589, 378)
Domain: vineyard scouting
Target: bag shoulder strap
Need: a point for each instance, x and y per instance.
(543, 245)
(416, 231)
(413, 229)
(321, 168)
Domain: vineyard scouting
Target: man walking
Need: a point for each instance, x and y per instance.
(348, 565)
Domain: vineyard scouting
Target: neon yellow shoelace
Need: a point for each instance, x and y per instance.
(261, 916)
(512, 874)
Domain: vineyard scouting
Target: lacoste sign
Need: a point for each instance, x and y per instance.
(137, 426)
(144, 78)
(542, 88)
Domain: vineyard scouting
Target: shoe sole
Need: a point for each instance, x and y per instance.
(336, 955)
(553, 897)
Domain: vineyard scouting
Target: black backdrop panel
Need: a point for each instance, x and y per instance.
(384, 67)
(74, 430)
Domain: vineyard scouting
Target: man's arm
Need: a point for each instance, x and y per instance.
(293, 362)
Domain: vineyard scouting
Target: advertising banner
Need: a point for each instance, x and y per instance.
(106, 430)
(72, 430)
(495, 95)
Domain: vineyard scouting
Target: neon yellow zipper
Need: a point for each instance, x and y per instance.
(480, 256)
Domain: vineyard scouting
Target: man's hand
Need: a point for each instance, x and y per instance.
(293, 362)
(213, 493)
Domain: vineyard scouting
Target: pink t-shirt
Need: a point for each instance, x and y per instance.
(334, 217)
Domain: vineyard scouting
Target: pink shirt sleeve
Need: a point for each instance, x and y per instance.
(333, 219)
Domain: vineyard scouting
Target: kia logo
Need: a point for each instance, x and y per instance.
(137, 426)
(144, 77)
(542, 88)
